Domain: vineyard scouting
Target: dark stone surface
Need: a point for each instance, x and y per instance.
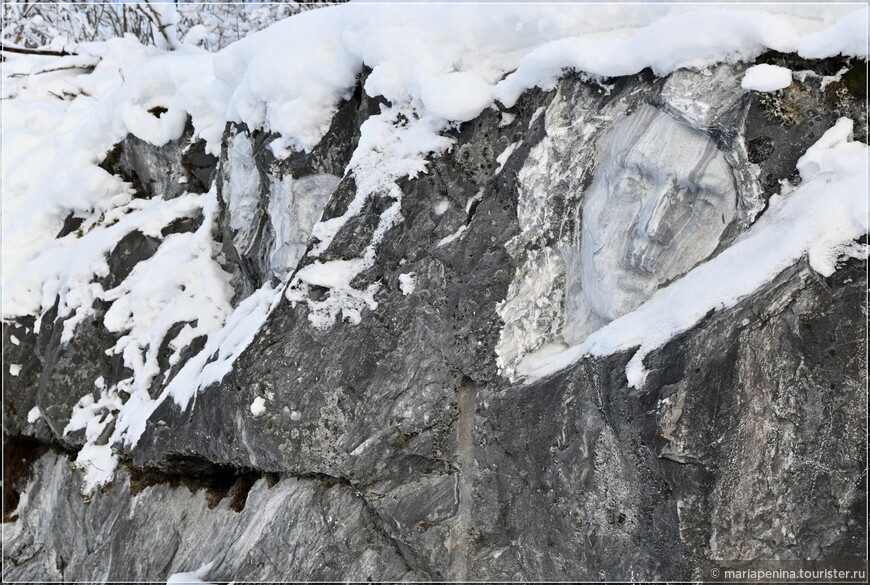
(728, 452)
(163, 171)
(780, 126)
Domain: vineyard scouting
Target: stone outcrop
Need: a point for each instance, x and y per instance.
(402, 446)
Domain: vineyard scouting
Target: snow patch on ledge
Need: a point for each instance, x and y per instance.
(33, 415)
(342, 298)
(766, 78)
(258, 406)
(407, 283)
(191, 576)
(821, 219)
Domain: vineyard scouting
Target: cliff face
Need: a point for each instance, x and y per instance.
(377, 423)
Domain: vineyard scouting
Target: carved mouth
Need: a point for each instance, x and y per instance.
(639, 267)
(643, 259)
(631, 283)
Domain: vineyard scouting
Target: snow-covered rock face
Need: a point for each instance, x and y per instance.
(662, 196)
(372, 340)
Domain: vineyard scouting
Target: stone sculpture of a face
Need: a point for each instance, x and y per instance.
(661, 198)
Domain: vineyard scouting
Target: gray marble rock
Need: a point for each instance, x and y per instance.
(402, 447)
(293, 529)
(727, 452)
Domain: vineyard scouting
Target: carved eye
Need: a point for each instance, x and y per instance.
(706, 198)
(686, 194)
(628, 187)
(696, 197)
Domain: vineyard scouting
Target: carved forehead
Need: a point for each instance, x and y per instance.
(651, 139)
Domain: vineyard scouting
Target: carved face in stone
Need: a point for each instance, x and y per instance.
(662, 196)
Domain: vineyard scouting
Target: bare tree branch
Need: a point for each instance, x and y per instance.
(158, 23)
(23, 51)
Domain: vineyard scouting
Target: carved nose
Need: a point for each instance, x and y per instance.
(654, 220)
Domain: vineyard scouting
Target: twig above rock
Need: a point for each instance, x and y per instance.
(25, 51)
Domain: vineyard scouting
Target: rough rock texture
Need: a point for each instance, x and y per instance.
(294, 529)
(400, 447)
